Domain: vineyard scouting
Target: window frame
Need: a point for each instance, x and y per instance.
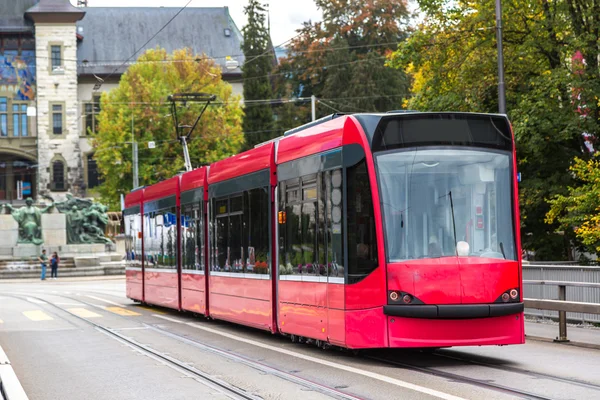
(59, 69)
(149, 217)
(246, 215)
(20, 113)
(51, 113)
(95, 109)
(53, 185)
(4, 116)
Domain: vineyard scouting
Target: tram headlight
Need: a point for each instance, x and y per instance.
(394, 296)
(505, 297)
(514, 293)
(407, 298)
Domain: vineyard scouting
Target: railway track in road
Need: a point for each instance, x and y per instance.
(463, 379)
(232, 391)
(223, 387)
(527, 372)
(237, 393)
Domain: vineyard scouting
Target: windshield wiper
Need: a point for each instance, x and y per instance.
(502, 250)
(453, 222)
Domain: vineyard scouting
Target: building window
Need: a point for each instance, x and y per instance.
(19, 119)
(57, 119)
(58, 175)
(55, 57)
(3, 116)
(91, 115)
(92, 172)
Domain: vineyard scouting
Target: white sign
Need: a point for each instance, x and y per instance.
(31, 111)
(151, 145)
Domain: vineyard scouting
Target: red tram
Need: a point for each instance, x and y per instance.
(360, 231)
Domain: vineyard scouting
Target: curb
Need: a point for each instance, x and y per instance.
(10, 387)
(66, 279)
(98, 271)
(570, 343)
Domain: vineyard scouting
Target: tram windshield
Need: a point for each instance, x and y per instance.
(442, 202)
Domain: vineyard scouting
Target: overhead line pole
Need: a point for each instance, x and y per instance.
(313, 101)
(501, 94)
(136, 181)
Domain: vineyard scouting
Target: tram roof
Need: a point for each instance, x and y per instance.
(166, 188)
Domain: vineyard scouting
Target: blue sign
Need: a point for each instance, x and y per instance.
(170, 219)
(26, 188)
(518, 177)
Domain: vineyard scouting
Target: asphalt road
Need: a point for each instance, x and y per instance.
(82, 339)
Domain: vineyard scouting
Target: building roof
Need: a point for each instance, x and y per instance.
(51, 11)
(112, 35)
(12, 16)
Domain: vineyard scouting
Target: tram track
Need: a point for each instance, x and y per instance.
(331, 392)
(534, 374)
(463, 379)
(240, 393)
(223, 387)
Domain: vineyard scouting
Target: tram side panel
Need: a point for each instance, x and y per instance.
(132, 218)
(161, 225)
(193, 261)
(240, 281)
(193, 241)
(240, 212)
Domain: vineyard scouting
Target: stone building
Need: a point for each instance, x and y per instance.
(56, 58)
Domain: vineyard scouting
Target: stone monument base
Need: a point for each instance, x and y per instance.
(24, 251)
(54, 229)
(9, 231)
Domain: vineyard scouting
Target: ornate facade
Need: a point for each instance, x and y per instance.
(56, 58)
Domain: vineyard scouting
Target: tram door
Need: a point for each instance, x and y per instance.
(331, 202)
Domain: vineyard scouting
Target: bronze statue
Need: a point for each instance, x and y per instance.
(29, 219)
(86, 220)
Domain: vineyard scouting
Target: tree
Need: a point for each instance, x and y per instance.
(258, 119)
(341, 60)
(579, 209)
(452, 59)
(141, 99)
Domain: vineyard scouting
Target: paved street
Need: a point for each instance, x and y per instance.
(46, 330)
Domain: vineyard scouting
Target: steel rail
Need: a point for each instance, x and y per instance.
(460, 378)
(317, 387)
(204, 378)
(527, 372)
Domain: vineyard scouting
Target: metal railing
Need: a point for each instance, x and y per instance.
(562, 305)
(563, 273)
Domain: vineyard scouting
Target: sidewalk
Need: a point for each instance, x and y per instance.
(66, 279)
(579, 335)
(10, 386)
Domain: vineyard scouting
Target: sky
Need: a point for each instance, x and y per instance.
(286, 15)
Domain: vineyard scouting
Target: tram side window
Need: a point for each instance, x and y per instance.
(241, 227)
(160, 238)
(302, 228)
(133, 243)
(192, 237)
(362, 241)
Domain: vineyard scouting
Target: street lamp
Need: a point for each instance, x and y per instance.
(501, 94)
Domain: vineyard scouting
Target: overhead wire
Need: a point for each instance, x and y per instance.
(149, 40)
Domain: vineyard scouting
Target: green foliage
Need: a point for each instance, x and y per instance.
(341, 60)
(142, 94)
(453, 61)
(579, 210)
(258, 119)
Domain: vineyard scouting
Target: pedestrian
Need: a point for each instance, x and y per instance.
(54, 264)
(43, 259)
